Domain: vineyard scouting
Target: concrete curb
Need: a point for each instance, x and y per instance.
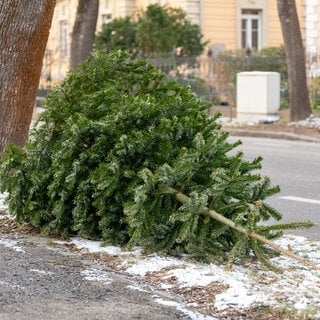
(270, 134)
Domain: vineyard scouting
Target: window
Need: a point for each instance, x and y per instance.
(251, 29)
(64, 37)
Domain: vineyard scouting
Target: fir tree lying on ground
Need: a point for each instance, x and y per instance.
(116, 146)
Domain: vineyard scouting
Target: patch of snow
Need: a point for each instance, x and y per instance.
(9, 243)
(97, 246)
(168, 303)
(298, 287)
(3, 205)
(96, 275)
(41, 272)
(301, 245)
(238, 292)
(12, 285)
(152, 264)
(311, 122)
(192, 315)
(196, 275)
(5, 216)
(166, 286)
(136, 288)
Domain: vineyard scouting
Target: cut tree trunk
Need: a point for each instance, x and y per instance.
(182, 198)
(24, 31)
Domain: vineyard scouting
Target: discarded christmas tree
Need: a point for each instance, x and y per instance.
(116, 147)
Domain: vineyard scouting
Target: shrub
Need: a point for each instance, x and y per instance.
(314, 90)
(114, 143)
(198, 86)
(230, 63)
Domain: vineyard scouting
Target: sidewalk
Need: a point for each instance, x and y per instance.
(305, 130)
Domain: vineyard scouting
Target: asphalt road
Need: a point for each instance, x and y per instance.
(39, 282)
(295, 167)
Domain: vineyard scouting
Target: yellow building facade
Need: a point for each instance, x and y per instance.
(225, 24)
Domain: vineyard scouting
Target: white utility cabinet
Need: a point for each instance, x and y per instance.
(258, 96)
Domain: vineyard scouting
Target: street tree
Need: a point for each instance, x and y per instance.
(187, 35)
(158, 29)
(24, 31)
(120, 33)
(155, 33)
(296, 62)
(83, 31)
(162, 29)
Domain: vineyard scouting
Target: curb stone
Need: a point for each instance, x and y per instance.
(270, 134)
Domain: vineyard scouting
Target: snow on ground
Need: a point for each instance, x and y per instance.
(3, 205)
(13, 244)
(310, 122)
(96, 275)
(244, 286)
(297, 288)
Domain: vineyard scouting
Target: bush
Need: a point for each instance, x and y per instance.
(270, 59)
(314, 91)
(198, 86)
(114, 143)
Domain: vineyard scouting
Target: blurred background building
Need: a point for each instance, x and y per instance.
(226, 24)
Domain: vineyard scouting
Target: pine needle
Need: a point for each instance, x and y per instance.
(251, 234)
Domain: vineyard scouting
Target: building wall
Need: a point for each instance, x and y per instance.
(274, 35)
(56, 60)
(220, 22)
(312, 26)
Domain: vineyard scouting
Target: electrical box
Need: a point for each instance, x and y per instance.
(258, 96)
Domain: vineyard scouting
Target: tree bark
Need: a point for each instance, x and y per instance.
(296, 62)
(83, 31)
(24, 31)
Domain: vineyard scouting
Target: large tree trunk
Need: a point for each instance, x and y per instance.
(296, 62)
(24, 31)
(83, 31)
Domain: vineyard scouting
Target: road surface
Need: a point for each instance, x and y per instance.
(39, 282)
(295, 167)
